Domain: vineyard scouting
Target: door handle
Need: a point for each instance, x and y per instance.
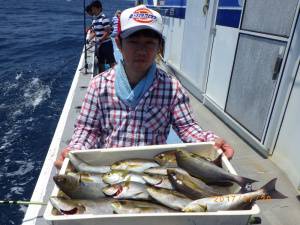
(205, 7)
(278, 63)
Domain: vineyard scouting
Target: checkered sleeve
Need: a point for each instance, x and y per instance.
(183, 122)
(87, 126)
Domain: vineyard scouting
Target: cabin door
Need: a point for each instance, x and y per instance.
(196, 42)
(254, 40)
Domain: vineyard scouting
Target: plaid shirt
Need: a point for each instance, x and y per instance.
(105, 121)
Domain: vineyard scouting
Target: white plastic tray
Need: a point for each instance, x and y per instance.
(108, 156)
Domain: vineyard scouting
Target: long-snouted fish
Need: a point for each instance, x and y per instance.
(73, 207)
(190, 186)
(169, 198)
(82, 166)
(118, 176)
(234, 201)
(127, 190)
(207, 171)
(131, 206)
(134, 165)
(80, 186)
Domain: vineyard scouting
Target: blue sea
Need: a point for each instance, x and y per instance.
(40, 45)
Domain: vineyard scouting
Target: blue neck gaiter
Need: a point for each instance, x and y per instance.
(129, 96)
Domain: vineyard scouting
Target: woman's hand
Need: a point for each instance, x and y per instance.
(58, 163)
(225, 147)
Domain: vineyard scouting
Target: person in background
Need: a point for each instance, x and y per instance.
(115, 23)
(88, 10)
(101, 29)
(136, 103)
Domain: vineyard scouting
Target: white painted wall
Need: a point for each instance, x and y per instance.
(196, 43)
(173, 32)
(287, 153)
(222, 58)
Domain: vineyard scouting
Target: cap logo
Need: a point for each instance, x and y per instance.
(143, 16)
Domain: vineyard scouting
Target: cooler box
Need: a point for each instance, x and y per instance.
(109, 156)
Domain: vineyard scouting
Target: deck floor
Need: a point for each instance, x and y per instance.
(249, 163)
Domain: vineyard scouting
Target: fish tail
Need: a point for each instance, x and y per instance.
(218, 161)
(270, 190)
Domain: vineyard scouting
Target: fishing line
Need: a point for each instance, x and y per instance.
(21, 202)
(84, 37)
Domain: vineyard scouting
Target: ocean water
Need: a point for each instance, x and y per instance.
(40, 45)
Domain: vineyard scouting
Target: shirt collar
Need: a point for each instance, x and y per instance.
(110, 75)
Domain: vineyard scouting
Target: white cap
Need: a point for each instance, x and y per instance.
(139, 18)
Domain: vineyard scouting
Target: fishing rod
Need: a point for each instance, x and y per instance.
(21, 202)
(85, 33)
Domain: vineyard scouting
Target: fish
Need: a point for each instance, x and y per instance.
(131, 206)
(207, 171)
(127, 190)
(166, 159)
(235, 201)
(79, 187)
(74, 207)
(118, 176)
(163, 170)
(82, 166)
(134, 165)
(158, 180)
(169, 198)
(191, 186)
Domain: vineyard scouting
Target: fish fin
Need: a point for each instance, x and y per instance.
(243, 191)
(245, 183)
(201, 208)
(269, 188)
(218, 161)
(128, 179)
(127, 182)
